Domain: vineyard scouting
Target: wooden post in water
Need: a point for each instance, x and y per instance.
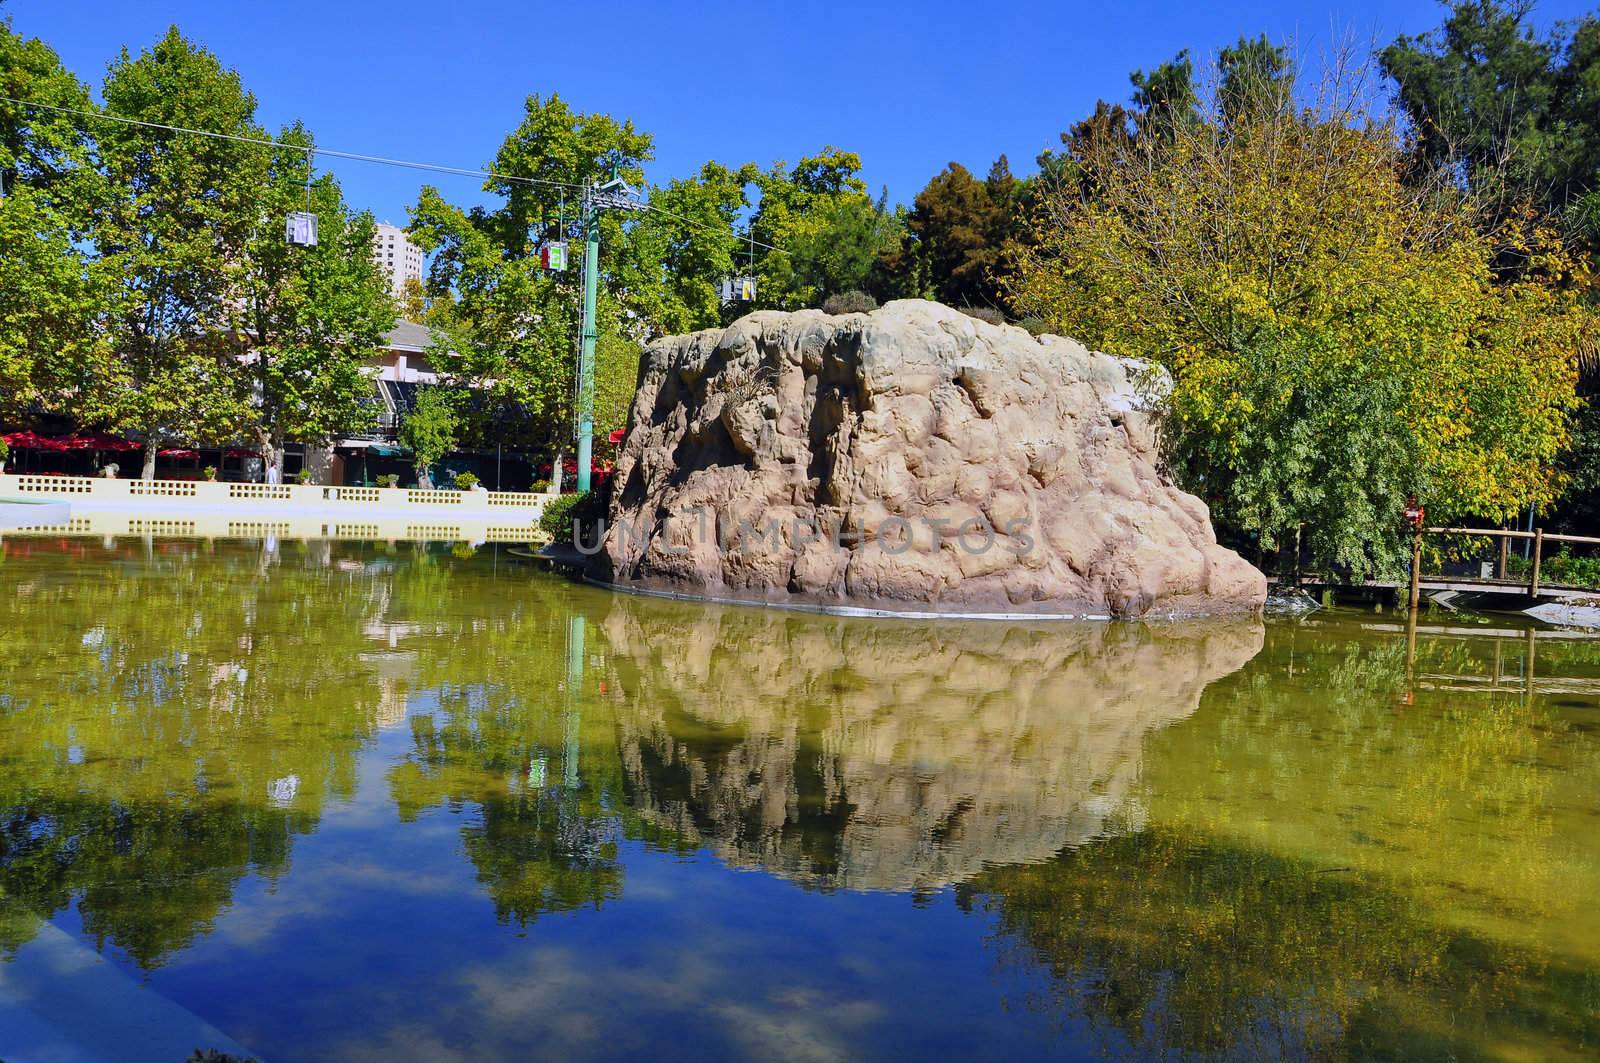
(1538, 549)
(1416, 568)
(1527, 670)
(1505, 549)
(1411, 656)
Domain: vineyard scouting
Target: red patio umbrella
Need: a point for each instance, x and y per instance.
(240, 452)
(102, 441)
(617, 436)
(179, 452)
(34, 441)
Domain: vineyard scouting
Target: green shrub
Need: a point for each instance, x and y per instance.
(1560, 568)
(985, 313)
(586, 510)
(540, 486)
(852, 302)
(303, 476)
(1036, 325)
(466, 481)
(209, 472)
(5, 451)
(389, 479)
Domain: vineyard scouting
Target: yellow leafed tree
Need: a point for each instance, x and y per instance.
(1340, 332)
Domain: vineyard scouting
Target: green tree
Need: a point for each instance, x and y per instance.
(564, 150)
(509, 326)
(173, 236)
(314, 316)
(1519, 115)
(845, 252)
(504, 328)
(616, 379)
(957, 230)
(1337, 339)
(50, 349)
(1516, 116)
(796, 211)
(681, 250)
(413, 301)
(1252, 73)
(431, 429)
(1166, 99)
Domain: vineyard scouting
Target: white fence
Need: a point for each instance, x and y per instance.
(185, 493)
(209, 509)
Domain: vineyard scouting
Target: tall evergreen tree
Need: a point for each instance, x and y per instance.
(1517, 114)
(1254, 73)
(957, 232)
(1166, 97)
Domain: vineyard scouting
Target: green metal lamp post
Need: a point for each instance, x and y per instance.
(613, 195)
(591, 284)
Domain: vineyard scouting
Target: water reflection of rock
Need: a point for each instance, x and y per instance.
(897, 755)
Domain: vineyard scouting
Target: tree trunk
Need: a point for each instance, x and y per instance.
(150, 448)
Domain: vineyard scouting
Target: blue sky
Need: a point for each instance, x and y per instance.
(910, 86)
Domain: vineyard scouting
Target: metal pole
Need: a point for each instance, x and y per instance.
(571, 745)
(591, 283)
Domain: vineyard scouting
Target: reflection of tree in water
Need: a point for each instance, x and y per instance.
(167, 731)
(1313, 863)
(1189, 947)
(1330, 870)
(516, 744)
(898, 755)
(538, 844)
(192, 714)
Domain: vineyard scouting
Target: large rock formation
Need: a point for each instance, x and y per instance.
(913, 457)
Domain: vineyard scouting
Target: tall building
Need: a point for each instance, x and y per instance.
(400, 259)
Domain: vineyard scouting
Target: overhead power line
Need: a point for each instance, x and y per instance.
(356, 156)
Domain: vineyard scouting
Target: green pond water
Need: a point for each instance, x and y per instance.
(341, 801)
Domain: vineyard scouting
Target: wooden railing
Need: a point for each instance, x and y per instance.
(1537, 536)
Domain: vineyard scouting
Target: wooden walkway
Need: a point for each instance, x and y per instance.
(1509, 589)
(1497, 591)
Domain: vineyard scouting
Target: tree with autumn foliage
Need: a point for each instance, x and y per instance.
(1334, 336)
